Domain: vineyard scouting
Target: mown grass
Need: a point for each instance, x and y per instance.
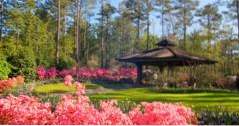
(59, 88)
(197, 99)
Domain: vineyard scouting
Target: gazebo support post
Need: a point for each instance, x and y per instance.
(139, 73)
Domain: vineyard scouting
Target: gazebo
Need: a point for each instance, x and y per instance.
(166, 54)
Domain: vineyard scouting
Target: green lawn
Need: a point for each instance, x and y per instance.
(197, 99)
(59, 88)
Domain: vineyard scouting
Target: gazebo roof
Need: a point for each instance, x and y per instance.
(166, 55)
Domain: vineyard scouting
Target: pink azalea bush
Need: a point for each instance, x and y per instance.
(52, 73)
(110, 114)
(78, 110)
(41, 72)
(88, 73)
(24, 110)
(71, 110)
(44, 73)
(162, 113)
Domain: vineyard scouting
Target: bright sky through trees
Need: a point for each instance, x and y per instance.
(155, 27)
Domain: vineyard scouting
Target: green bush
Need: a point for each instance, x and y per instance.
(65, 62)
(5, 69)
(24, 63)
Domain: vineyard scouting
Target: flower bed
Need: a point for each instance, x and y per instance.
(78, 109)
(10, 83)
(88, 74)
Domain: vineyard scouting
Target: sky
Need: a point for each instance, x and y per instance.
(155, 27)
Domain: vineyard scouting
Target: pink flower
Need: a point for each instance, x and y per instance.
(85, 73)
(110, 114)
(78, 110)
(64, 73)
(68, 80)
(162, 113)
(80, 88)
(51, 73)
(41, 72)
(24, 110)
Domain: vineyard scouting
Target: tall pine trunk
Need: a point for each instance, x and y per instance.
(138, 34)
(184, 35)
(102, 34)
(208, 30)
(184, 27)
(237, 6)
(148, 23)
(78, 6)
(107, 53)
(162, 19)
(58, 32)
(138, 26)
(85, 42)
(78, 31)
(1, 19)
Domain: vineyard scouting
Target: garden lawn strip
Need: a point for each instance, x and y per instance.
(59, 88)
(198, 100)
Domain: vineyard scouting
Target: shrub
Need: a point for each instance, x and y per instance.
(66, 72)
(6, 84)
(77, 109)
(162, 113)
(25, 89)
(19, 80)
(5, 69)
(85, 74)
(24, 63)
(44, 73)
(10, 83)
(65, 62)
(52, 73)
(183, 77)
(53, 99)
(41, 72)
(24, 110)
(224, 82)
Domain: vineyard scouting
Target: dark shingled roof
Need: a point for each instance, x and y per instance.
(166, 55)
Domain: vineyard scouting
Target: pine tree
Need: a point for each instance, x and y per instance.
(210, 19)
(184, 12)
(149, 6)
(164, 8)
(233, 12)
(136, 10)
